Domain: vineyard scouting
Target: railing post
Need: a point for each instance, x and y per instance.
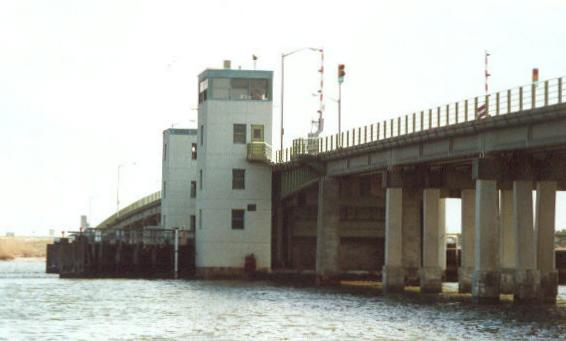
(399, 126)
(429, 118)
(391, 128)
(533, 96)
(466, 111)
(456, 109)
(475, 108)
(406, 124)
(371, 132)
(359, 135)
(447, 114)
(497, 103)
(521, 99)
(347, 138)
(377, 131)
(365, 134)
(414, 121)
(422, 120)
(559, 90)
(508, 101)
(438, 117)
(545, 93)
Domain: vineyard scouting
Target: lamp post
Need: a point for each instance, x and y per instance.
(283, 55)
(118, 186)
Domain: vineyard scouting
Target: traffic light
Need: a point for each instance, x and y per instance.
(341, 73)
(535, 75)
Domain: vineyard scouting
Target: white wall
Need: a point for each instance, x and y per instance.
(217, 244)
(177, 173)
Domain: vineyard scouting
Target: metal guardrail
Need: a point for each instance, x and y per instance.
(145, 201)
(153, 235)
(259, 151)
(527, 97)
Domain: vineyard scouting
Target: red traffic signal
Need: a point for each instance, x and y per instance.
(341, 72)
(535, 75)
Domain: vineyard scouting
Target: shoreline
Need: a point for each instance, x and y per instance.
(24, 259)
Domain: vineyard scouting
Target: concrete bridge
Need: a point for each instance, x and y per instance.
(372, 196)
(143, 213)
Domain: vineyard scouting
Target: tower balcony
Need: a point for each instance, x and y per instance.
(259, 152)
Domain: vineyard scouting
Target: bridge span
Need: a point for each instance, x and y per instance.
(372, 197)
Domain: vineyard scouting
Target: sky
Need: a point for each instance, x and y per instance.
(88, 85)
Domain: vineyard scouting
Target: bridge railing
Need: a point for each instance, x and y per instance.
(527, 97)
(153, 197)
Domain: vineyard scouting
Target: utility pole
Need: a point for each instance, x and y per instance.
(283, 55)
(341, 74)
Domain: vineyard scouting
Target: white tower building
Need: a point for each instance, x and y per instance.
(179, 175)
(234, 177)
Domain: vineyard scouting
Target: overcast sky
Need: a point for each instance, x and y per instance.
(87, 85)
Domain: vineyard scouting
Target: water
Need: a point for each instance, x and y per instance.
(34, 305)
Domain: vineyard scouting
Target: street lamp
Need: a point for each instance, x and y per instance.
(283, 55)
(118, 186)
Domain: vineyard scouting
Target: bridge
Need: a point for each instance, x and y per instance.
(371, 197)
(143, 213)
(371, 200)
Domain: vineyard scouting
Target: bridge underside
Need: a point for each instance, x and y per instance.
(378, 207)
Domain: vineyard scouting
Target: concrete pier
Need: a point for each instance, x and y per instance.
(544, 229)
(507, 243)
(327, 226)
(411, 221)
(468, 213)
(527, 277)
(393, 270)
(433, 240)
(485, 279)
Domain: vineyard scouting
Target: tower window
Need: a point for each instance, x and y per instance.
(193, 222)
(202, 134)
(238, 178)
(194, 151)
(203, 91)
(238, 219)
(193, 189)
(239, 133)
(200, 179)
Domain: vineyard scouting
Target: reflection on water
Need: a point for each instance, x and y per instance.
(35, 305)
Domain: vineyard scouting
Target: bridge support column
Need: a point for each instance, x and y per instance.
(327, 231)
(412, 241)
(527, 277)
(507, 243)
(393, 271)
(442, 233)
(433, 238)
(544, 229)
(468, 236)
(485, 279)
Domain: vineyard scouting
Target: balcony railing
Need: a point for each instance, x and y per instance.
(259, 152)
(527, 97)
